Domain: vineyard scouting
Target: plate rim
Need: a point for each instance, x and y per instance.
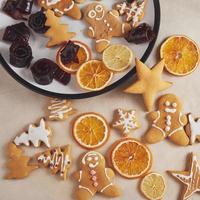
(84, 95)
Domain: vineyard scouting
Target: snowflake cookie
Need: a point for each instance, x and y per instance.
(134, 12)
(125, 121)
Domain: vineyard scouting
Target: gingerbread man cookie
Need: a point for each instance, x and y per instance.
(104, 25)
(168, 121)
(62, 7)
(94, 177)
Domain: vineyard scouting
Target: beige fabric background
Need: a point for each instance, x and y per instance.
(19, 107)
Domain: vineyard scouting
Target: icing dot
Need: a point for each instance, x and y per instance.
(43, 2)
(99, 8)
(167, 103)
(94, 178)
(108, 25)
(110, 29)
(167, 128)
(92, 14)
(89, 158)
(96, 158)
(168, 117)
(168, 123)
(174, 105)
(92, 172)
(95, 184)
(105, 20)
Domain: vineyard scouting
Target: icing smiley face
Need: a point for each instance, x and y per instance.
(170, 104)
(92, 160)
(97, 13)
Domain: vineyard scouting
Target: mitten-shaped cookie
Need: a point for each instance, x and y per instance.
(94, 177)
(104, 25)
(62, 7)
(168, 121)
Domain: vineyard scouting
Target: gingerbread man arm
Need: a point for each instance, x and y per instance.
(115, 13)
(184, 120)
(77, 175)
(91, 32)
(110, 173)
(152, 115)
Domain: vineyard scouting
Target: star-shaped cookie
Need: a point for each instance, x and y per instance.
(125, 121)
(190, 179)
(149, 82)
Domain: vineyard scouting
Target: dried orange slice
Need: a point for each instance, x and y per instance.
(153, 186)
(117, 57)
(91, 130)
(181, 55)
(93, 75)
(130, 158)
(83, 55)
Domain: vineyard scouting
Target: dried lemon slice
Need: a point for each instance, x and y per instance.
(153, 186)
(117, 57)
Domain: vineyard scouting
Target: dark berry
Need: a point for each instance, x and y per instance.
(37, 22)
(62, 77)
(25, 6)
(69, 53)
(20, 54)
(141, 34)
(43, 71)
(17, 31)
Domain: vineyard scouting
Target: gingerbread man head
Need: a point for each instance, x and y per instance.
(92, 160)
(94, 12)
(169, 103)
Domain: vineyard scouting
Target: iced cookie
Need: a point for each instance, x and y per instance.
(62, 7)
(57, 33)
(193, 129)
(134, 12)
(60, 109)
(125, 121)
(95, 177)
(35, 135)
(58, 160)
(168, 121)
(19, 165)
(103, 25)
(190, 179)
(149, 82)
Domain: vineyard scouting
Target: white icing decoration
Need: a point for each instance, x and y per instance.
(59, 108)
(70, 7)
(162, 131)
(56, 160)
(100, 17)
(90, 153)
(110, 12)
(127, 120)
(85, 188)
(194, 128)
(167, 128)
(89, 158)
(123, 28)
(52, 2)
(106, 187)
(92, 30)
(174, 105)
(103, 40)
(106, 173)
(158, 113)
(173, 132)
(170, 110)
(99, 8)
(93, 165)
(35, 135)
(96, 158)
(92, 14)
(133, 11)
(167, 103)
(58, 11)
(81, 173)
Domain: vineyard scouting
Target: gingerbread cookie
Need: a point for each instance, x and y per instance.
(193, 129)
(94, 177)
(134, 12)
(58, 160)
(62, 7)
(60, 109)
(104, 25)
(168, 121)
(149, 82)
(35, 135)
(125, 121)
(19, 165)
(190, 179)
(57, 32)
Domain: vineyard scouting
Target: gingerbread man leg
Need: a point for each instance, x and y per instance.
(179, 138)
(111, 191)
(154, 135)
(83, 194)
(75, 12)
(102, 44)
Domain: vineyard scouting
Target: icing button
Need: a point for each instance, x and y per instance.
(94, 178)
(167, 128)
(95, 184)
(92, 172)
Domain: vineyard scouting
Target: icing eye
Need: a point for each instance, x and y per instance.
(174, 105)
(96, 158)
(92, 14)
(89, 159)
(167, 103)
(99, 8)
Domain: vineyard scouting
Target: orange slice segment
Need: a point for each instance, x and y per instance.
(83, 55)
(181, 55)
(130, 158)
(153, 186)
(93, 75)
(91, 130)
